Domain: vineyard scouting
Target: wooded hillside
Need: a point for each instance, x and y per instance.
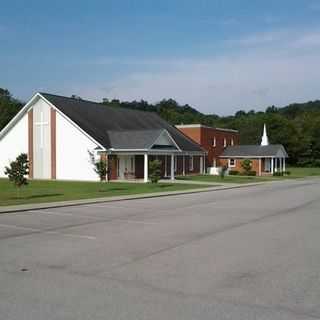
(296, 126)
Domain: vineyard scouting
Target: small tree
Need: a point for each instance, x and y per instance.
(17, 171)
(100, 167)
(246, 165)
(155, 171)
(223, 171)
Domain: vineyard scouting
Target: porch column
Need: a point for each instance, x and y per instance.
(145, 176)
(280, 160)
(172, 167)
(201, 165)
(276, 164)
(259, 166)
(183, 165)
(284, 164)
(272, 166)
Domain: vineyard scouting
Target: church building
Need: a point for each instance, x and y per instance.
(266, 158)
(60, 133)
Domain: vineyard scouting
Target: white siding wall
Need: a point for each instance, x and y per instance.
(73, 161)
(14, 143)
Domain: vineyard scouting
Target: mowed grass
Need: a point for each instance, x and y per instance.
(295, 173)
(51, 191)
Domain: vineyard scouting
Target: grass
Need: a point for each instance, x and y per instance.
(295, 173)
(51, 191)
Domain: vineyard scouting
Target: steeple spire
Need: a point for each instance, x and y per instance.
(265, 140)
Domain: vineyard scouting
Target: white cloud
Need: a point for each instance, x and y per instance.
(280, 69)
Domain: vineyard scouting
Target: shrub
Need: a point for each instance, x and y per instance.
(18, 170)
(233, 172)
(287, 173)
(246, 165)
(223, 172)
(278, 174)
(100, 167)
(155, 171)
(252, 173)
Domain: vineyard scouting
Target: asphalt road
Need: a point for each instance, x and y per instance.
(250, 253)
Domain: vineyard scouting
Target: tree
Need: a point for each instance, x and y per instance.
(246, 165)
(155, 171)
(100, 167)
(17, 171)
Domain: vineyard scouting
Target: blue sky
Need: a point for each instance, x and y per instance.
(219, 56)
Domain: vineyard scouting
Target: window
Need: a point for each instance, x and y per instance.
(214, 142)
(191, 163)
(232, 163)
(224, 142)
(232, 142)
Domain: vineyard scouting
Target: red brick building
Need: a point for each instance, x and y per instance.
(213, 140)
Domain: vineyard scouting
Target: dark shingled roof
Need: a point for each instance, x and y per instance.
(271, 150)
(111, 126)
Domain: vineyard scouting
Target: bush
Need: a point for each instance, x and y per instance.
(252, 173)
(287, 173)
(100, 167)
(278, 174)
(18, 170)
(246, 165)
(233, 172)
(223, 172)
(155, 171)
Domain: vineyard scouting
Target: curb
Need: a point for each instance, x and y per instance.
(72, 203)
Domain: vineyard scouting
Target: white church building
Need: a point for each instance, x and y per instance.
(58, 133)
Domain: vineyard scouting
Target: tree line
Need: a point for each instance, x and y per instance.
(296, 126)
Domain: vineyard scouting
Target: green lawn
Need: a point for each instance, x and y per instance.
(50, 191)
(295, 173)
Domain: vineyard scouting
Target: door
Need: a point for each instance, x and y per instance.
(126, 167)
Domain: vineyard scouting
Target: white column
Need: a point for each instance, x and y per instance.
(184, 166)
(201, 165)
(145, 176)
(280, 159)
(272, 165)
(284, 164)
(172, 167)
(259, 166)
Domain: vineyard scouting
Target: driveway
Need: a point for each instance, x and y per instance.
(249, 253)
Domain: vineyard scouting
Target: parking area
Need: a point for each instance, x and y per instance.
(249, 253)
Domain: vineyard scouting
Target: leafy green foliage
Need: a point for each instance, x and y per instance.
(100, 167)
(155, 171)
(9, 107)
(18, 170)
(246, 165)
(223, 172)
(296, 126)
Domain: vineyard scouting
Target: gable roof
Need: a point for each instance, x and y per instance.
(119, 128)
(255, 151)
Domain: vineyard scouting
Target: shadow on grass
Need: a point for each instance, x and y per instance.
(37, 196)
(113, 189)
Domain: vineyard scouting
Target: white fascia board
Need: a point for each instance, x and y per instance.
(18, 116)
(73, 123)
(170, 138)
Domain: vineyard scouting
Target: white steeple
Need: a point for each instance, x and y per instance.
(265, 140)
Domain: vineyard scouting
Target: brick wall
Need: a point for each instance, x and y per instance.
(205, 136)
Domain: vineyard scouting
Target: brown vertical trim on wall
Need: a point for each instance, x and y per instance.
(30, 142)
(53, 125)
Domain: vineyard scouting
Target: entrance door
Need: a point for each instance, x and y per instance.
(126, 167)
(267, 165)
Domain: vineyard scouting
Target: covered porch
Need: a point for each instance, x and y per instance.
(271, 165)
(133, 166)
